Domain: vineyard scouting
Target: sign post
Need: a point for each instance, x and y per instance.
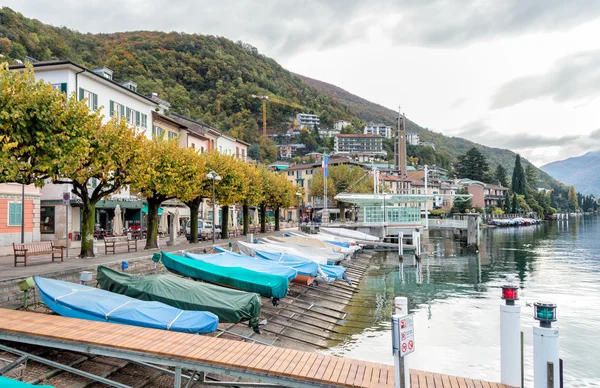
(67, 202)
(403, 341)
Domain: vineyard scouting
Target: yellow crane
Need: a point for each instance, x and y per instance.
(264, 100)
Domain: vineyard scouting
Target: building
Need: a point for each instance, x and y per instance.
(228, 145)
(341, 124)
(328, 132)
(12, 214)
(484, 195)
(395, 184)
(378, 129)
(427, 144)
(307, 120)
(412, 138)
(288, 151)
(359, 144)
(197, 135)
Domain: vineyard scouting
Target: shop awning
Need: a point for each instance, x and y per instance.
(145, 210)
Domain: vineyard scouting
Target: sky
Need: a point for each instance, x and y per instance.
(523, 75)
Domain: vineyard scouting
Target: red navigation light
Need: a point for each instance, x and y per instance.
(510, 294)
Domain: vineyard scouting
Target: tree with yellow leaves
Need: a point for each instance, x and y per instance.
(279, 193)
(253, 192)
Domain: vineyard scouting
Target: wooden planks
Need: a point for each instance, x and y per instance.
(238, 355)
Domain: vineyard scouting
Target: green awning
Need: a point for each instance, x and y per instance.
(145, 210)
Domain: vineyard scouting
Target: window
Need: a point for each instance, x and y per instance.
(157, 131)
(202, 149)
(193, 145)
(144, 121)
(117, 110)
(47, 219)
(172, 135)
(92, 98)
(237, 152)
(15, 213)
(62, 87)
(133, 117)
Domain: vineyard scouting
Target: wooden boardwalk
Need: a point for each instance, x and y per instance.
(243, 359)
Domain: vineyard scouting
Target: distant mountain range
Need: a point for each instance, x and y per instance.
(581, 172)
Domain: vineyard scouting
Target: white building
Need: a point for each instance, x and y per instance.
(378, 129)
(228, 145)
(427, 144)
(324, 132)
(100, 91)
(307, 120)
(412, 138)
(340, 124)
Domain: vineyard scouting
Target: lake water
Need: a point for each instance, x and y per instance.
(455, 295)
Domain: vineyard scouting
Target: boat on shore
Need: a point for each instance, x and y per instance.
(330, 254)
(314, 243)
(79, 301)
(229, 305)
(249, 248)
(518, 221)
(264, 284)
(355, 234)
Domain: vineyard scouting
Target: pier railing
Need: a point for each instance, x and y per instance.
(445, 223)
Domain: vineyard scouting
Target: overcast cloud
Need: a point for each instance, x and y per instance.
(509, 73)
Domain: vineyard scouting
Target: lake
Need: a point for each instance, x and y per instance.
(455, 295)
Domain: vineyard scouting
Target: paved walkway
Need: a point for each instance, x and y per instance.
(43, 265)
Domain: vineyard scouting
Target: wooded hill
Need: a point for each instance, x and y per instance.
(211, 79)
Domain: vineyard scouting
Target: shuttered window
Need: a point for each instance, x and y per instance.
(62, 87)
(92, 98)
(157, 131)
(144, 121)
(15, 213)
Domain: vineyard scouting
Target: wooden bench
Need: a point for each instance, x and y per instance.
(35, 249)
(110, 243)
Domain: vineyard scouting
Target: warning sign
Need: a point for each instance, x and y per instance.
(407, 335)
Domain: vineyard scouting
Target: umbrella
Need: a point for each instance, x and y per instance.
(255, 216)
(176, 222)
(117, 222)
(163, 227)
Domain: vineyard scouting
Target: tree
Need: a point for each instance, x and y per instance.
(514, 203)
(461, 206)
(110, 153)
(161, 173)
(281, 193)
(572, 198)
(531, 177)
(472, 165)
(518, 178)
(39, 126)
(254, 152)
(268, 150)
(196, 190)
(507, 204)
(501, 176)
(253, 192)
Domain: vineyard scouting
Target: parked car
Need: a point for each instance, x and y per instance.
(205, 227)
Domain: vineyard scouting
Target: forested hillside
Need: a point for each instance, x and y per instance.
(580, 171)
(453, 146)
(211, 79)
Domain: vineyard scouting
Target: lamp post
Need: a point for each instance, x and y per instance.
(299, 195)
(214, 177)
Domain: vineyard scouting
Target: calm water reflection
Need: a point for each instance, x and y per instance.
(455, 294)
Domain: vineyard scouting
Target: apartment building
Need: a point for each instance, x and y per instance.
(412, 138)
(359, 144)
(378, 129)
(307, 120)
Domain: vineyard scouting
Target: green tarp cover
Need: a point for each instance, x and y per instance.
(9, 383)
(229, 305)
(265, 284)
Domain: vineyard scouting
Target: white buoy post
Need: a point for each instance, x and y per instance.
(401, 363)
(510, 338)
(546, 367)
(401, 244)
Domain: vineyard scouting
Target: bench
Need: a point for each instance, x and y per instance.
(110, 243)
(35, 249)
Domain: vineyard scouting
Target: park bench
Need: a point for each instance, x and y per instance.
(110, 243)
(26, 250)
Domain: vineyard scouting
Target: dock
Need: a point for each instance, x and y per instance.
(192, 356)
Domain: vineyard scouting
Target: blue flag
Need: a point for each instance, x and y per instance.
(325, 166)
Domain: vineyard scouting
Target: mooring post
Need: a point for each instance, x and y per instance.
(545, 347)
(401, 244)
(510, 339)
(473, 231)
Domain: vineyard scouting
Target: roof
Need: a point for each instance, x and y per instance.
(193, 125)
(359, 135)
(156, 115)
(86, 70)
(495, 187)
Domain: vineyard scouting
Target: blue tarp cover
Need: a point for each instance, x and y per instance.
(308, 268)
(332, 271)
(79, 301)
(230, 259)
(9, 383)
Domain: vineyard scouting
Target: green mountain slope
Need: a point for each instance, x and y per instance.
(454, 146)
(211, 79)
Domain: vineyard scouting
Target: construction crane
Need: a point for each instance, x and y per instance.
(264, 100)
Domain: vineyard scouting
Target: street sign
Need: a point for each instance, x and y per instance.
(66, 198)
(407, 335)
(309, 207)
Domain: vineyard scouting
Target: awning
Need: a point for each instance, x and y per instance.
(145, 210)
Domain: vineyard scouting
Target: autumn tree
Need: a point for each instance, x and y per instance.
(196, 192)
(572, 198)
(253, 192)
(161, 173)
(281, 194)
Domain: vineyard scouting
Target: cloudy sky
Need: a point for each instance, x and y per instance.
(515, 74)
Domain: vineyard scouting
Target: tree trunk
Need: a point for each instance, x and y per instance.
(342, 207)
(245, 218)
(225, 222)
(263, 218)
(152, 232)
(277, 219)
(194, 205)
(88, 219)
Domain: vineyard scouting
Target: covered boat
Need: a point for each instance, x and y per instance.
(229, 305)
(267, 285)
(83, 302)
(315, 243)
(307, 270)
(355, 234)
(249, 249)
(10, 383)
(330, 254)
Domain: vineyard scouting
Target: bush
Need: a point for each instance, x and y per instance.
(437, 212)
(498, 211)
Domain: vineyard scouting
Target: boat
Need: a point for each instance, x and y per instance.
(355, 234)
(326, 237)
(315, 243)
(326, 271)
(264, 284)
(10, 383)
(231, 306)
(330, 254)
(307, 270)
(249, 248)
(235, 260)
(84, 302)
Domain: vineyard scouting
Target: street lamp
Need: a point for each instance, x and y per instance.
(214, 177)
(299, 195)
